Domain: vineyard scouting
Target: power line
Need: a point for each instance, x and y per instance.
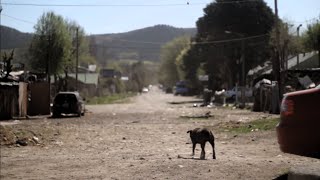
(101, 5)
(124, 47)
(235, 2)
(18, 19)
(141, 42)
(307, 21)
(229, 40)
(125, 5)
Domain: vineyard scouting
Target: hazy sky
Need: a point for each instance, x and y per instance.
(125, 15)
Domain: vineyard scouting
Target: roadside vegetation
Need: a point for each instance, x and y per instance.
(111, 99)
(252, 126)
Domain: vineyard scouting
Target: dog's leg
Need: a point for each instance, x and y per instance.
(203, 152)
(193, 148)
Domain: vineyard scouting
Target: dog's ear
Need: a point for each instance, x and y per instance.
(189, 131)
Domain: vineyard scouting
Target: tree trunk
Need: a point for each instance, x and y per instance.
(65, 85)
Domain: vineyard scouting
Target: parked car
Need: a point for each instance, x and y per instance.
(298, 131)
(168, 90)
(68, 103)
(231, 93)
(181, 88)
(145, 90)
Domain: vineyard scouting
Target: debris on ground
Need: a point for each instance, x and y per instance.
(206, 115)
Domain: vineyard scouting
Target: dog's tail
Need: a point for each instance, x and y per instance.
(211, 136)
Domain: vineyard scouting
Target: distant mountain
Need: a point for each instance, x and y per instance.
(12, 38)
(141, 44)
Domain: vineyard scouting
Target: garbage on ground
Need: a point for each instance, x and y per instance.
(220, 97)
(206, 115)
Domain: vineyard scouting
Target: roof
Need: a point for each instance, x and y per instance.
(311, 57)
(86, 78)
(306, 61)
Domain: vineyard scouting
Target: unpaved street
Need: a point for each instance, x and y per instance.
(143, 139)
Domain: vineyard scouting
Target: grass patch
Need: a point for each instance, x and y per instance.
(111, 99)
(257, 125)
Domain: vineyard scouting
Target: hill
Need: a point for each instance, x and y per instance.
(141, 44)
(12, 38)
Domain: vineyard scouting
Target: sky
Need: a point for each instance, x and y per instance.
(106, 16)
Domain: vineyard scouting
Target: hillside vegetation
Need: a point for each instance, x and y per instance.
(12, 38)
(141, 44)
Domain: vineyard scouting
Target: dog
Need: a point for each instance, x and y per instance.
(201, 136)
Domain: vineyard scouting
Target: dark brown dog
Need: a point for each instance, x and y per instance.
(201, 136)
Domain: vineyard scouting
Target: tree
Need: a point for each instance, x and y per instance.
(138, 76)
(311, 39)
(51, 46)
(229, 19)
(7, 62)
(171, 65)
(289, 44)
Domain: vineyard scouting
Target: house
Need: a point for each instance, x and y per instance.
(14, 100)
(296, 77)
(110, 73)
(307, 62)
(87, 83)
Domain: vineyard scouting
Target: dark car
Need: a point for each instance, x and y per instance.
(68, 103)
(299, 128)
(181, 88)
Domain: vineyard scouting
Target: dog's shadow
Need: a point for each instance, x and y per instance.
(182, 157)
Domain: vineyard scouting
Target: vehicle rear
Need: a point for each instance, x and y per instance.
(299, 128)
(66, 103)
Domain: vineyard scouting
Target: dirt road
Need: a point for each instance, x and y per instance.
(143, 139)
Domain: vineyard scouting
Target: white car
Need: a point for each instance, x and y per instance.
(145, 90)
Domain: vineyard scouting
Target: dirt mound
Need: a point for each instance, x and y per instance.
(23, 135)
(7, 136)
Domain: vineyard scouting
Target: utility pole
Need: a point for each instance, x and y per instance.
(243, 71)
(243, 61)
(277, 64)
(77, 56)
(0, 30)
(48, 64)
(298, 35)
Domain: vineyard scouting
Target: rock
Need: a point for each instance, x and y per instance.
(173, 133)
(142, 158)
(35, 139)
(180, 166)
(124, 138)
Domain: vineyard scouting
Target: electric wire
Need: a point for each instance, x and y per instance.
(124, 5)
(18, 19)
